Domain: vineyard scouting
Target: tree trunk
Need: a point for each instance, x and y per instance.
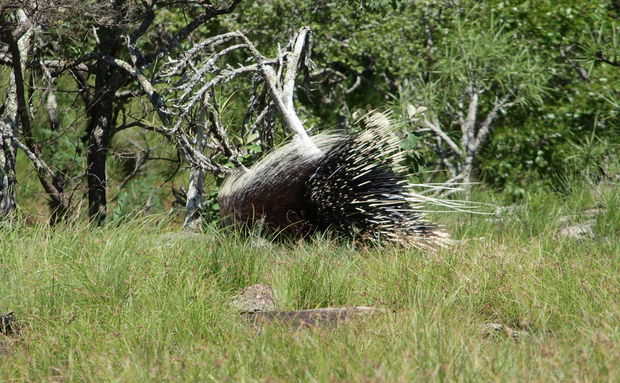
(194, 206)
(9, 120)
(101, 123)
(195, 199)
(60, 203)
(7, 174)
(8, 130)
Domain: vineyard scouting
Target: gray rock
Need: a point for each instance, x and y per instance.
(7, 324)
(313, 317)
(595, 211)
(584, 230)
(498, 328)
(591, 213)
(581, 230)
(261, 242)
(255, 298)
(257, 304)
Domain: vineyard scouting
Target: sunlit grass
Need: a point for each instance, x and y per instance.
(135, 302)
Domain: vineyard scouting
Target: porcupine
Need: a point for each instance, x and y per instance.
(354, 184)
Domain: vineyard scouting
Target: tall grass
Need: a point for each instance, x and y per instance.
(138, 302)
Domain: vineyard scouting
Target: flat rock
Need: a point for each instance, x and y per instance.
(313, 317)
(498, 328)
(584, 230)
(255, 298)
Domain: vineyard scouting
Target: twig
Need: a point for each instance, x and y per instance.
(434, 126)
(283, 100)
(485, 127)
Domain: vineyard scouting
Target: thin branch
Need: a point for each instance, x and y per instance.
(485, 127)
(356, 84)
(291, 120)
(604, 59)
(220, 134)
(178, 65)
(210, 12)
(197, 96)
(208, 66)
(434, 126)
(156, 100)
(157, 129)
(82, 82)
(143, 156)
(78, 63)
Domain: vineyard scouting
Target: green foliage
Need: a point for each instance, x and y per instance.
(381, 54)
(482, 54)
(133, 199)
(376, 5)
(580, 100)
(429, 52)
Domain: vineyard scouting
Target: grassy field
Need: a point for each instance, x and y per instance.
(133, 303)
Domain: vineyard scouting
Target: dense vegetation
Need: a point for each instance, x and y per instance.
(544, 75)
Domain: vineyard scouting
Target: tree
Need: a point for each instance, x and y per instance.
(120, 96)
(113, 29)
(18, 38)
(119, 68)
(191, 98)
(479, 73)
(18, 34)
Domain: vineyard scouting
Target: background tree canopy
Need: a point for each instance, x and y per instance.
(511, 94)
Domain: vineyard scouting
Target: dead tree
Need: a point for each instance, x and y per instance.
(111, 77)
(18, 32)
(179, 87)
(480, 73)
(187, 108)
(102, 85)
(278, 75)
(17, 37)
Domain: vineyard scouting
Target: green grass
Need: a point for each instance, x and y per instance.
(128, 304)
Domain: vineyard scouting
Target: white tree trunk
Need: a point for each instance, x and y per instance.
(8, 129)
(7, 172)
(194, 206)
(195, 199)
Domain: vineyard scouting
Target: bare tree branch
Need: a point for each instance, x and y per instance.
(499, 105)
(434, 126)
(19, 49)
(285, 106)
(604, 59)
(210, 12)
(141, 159)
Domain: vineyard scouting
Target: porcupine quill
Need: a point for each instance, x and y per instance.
(354, 184)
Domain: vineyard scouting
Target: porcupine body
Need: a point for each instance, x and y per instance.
(354, 185)
(273, 190)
